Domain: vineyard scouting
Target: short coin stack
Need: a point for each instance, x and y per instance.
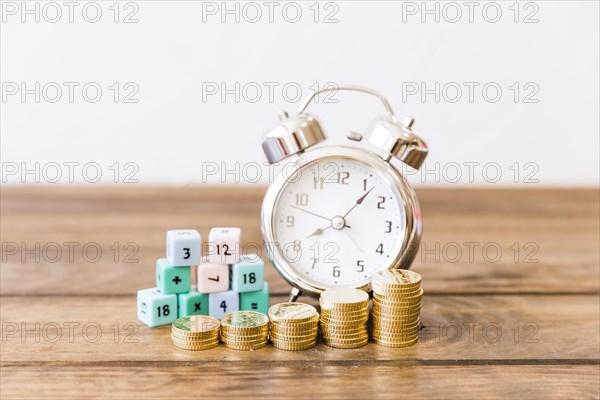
(293, 326)
(397, 297)
(344, 317)
(196, 332)
(245, 330)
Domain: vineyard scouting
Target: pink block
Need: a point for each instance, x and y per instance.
(213, 278)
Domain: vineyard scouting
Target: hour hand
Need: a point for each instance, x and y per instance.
(317, 232)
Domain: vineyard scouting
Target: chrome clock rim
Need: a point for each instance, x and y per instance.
(412, 234)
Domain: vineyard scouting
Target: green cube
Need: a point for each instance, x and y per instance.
(155, 308)
(170, 279)
(248, 275)
(256, 301)
(192, 303)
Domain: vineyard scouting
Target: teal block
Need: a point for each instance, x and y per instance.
(170, 279)
(192, 303)
(155, 308)
(256, 301)
(248, 275)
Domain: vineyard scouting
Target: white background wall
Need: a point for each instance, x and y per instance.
(177, 50)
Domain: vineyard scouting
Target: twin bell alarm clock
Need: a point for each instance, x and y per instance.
(345, 211)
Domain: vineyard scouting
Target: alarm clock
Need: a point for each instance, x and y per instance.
(337, 213)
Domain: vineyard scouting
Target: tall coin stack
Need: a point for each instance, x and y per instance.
(397, 297)
(344, 317)
(196, 332)
(293, 326)
(245, 330)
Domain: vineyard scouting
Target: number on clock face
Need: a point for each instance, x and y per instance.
(338, 222)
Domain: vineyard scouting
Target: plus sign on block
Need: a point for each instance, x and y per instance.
(171, 279)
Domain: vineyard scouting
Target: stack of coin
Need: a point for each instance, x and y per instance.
(293, 326)
(344, 317)
(196, 332)
(245, 330)
(397, 297)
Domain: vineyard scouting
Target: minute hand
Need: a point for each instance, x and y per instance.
(359, 201)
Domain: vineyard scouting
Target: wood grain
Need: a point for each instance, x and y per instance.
(546, 305)
(456, 328)
(228, 381)
(556, 232)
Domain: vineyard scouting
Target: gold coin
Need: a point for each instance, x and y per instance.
(349, 345)
(292, 330)
(243, 337)
(245, 329)
(292, 338)
(292, 313)
(397, 302)
(396, 308)
(244, 319)
(355, 315)
(196, 323)
(396, 339)
(399, 297)
(399, 329)
(195, 346)
(341, 322)
(378, 331)
(203, 340)
(342, 326)
(395, 319)
(244, 341)
(196, 339)
(246, 347)
(343, 298)
(395, 316)
(356, 336)
(293, 346)
(244, 334)
(377, 309)
(397, 291)
(395, 329)
(396, 277)
(295, 327)
(298, 340)
(342, 329)
(299, 326)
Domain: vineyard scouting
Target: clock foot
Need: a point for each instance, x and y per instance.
(294, 294)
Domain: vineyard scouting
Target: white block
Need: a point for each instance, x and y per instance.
(213, 278)
(224, 245)
(223, 303)
(184, 247)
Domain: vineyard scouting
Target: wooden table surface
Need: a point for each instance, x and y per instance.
(522, 323)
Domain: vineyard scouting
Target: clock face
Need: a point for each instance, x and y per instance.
(337, 221)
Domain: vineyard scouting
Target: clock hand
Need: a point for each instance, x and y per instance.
(318, 232)
(359, 201)
(310, 212)
(353, 241)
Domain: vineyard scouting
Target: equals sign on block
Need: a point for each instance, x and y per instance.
(254, 306)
